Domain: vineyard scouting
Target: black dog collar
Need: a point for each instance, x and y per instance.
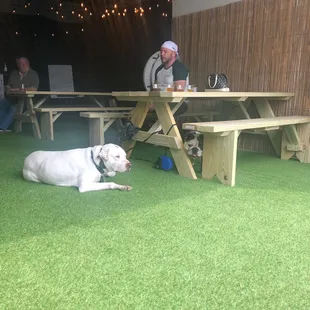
(101, 168)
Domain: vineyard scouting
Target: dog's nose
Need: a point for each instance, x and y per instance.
(128, 166)
(195, 150)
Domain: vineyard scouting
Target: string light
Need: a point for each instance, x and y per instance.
(114, 10)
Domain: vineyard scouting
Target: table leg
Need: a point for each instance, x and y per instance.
(137, 118)
(19, 111)
(264, 109)
(96, 131)
(33, 118)
(181, 159)
(47, 126)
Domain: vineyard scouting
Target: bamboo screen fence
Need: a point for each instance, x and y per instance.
(262, 45)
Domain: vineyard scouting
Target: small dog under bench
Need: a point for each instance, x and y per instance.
(220, 142)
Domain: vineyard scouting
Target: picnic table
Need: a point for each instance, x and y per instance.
(49, 114)
(171, 136)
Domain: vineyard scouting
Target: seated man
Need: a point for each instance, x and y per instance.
(172, 71)
(23, 79)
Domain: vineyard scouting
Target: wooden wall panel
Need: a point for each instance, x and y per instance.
(262, 45)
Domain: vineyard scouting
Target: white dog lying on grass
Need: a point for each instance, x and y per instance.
(78, 167)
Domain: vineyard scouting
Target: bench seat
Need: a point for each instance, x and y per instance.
(99, 122)
(50, 114)
(221, 142)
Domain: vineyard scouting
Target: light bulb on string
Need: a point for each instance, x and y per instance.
(85, 9)
(124, 14)
(82, 29)
(82, 4)
(67, 32)
(72, 12)
(14, 11)
(115, 6)
(150, 8)
(57, 12)
(106, 10)
(90, 14)
(113, 11)
(125, 10)
(158, 5)
(60, 4)
(16, 33)
(103, 16)
(119, 14)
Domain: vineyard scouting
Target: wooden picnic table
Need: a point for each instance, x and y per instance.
(166, 121)
(26, 99)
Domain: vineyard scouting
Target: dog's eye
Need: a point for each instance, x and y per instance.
(190, 145)
(117, 156)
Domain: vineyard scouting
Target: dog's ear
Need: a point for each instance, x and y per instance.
(196, 133)
(100, 152)
(191, 135)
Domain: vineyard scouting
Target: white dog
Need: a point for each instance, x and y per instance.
(78, 167)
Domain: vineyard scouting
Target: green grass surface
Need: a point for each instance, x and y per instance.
(170, 243)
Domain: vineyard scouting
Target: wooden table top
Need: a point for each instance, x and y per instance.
(30, 93)
(206, 94)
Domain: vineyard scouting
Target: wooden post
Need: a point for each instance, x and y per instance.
(47, 126)
(220, 156)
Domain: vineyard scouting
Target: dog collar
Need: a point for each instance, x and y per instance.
(101, 167)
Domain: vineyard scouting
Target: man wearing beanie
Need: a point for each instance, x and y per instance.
(172, 71)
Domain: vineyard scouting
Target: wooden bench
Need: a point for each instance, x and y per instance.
(50, 114)
(100, 122)
(221, 142)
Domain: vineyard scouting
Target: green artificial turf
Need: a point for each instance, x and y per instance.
(170, 243)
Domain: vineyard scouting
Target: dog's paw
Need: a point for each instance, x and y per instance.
(126, 188)
(111, 174)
